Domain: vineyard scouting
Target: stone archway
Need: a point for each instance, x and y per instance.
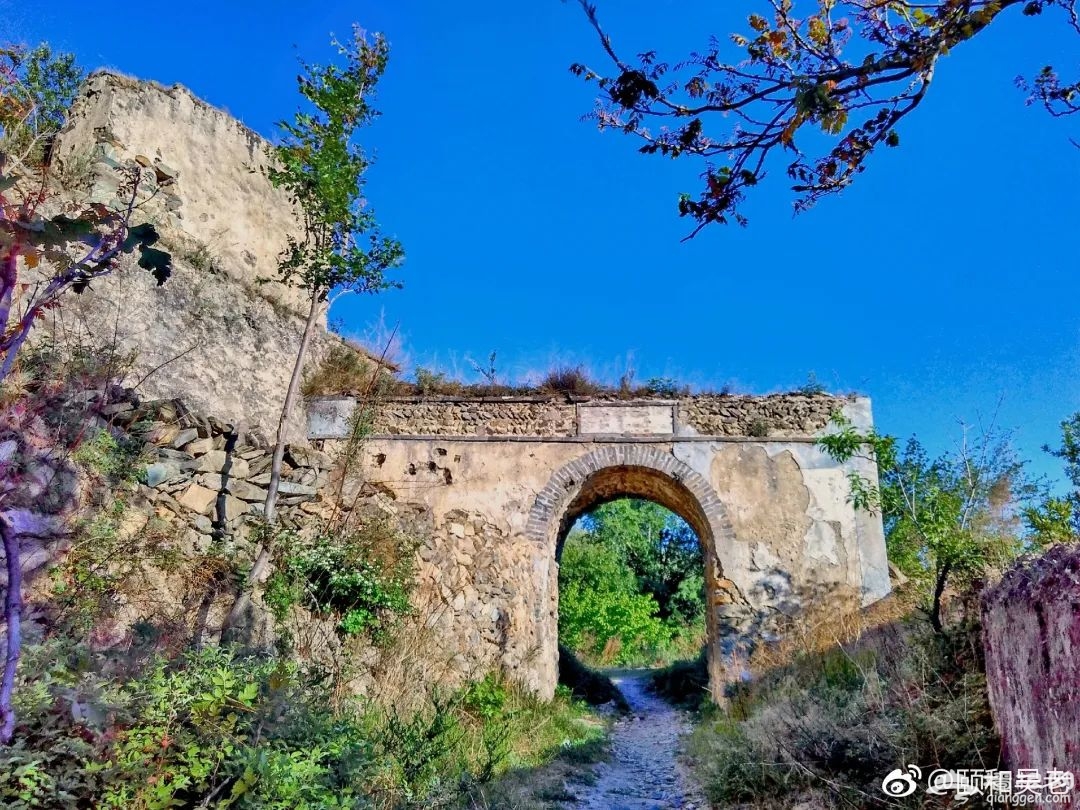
(639, 471)
(492, 483)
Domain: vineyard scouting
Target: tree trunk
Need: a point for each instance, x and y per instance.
(13, 619)
(939, 589)
(263, 550)
(270, 513)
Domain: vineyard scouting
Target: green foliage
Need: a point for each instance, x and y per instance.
(215, 728)
(363, 578)
(602, 615)
(321, 168)
(660, 549)
(431, 383)
(950, 519)
(1069, 453)
(1053, 521)
(114, 459)
(631, 585)
(664, 387)
(486, 698)
(37, 86)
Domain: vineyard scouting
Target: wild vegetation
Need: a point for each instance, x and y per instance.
(844, 697)
(168, 718)
(171, 719)
(631, 586)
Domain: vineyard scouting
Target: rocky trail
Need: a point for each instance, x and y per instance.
(644, 772)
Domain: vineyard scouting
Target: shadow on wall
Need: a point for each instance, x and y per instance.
(774, 608)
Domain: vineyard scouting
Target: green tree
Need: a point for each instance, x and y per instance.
(341, 249)
(36, 86)
(1069, 452)
(660, 549)
(599, 603)
(762, 98)
(947, 520)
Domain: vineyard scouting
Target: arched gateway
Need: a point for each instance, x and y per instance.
(497, 482)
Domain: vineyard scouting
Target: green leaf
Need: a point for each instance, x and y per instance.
(158, 262)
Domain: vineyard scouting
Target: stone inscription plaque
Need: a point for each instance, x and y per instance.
(330, 418)
(627, 420)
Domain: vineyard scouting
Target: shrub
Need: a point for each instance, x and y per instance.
(585, 684)
(434, 383)
(684, 683)
(345, 370)
(840, 718)
(216, 728)
(759, 428)
(664, 387)
(812, 386)
(39, 87)
(362, 577)
(569, 380)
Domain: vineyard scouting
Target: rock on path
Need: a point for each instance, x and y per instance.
(643, 773)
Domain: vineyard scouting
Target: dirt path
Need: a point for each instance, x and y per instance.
(643, 773)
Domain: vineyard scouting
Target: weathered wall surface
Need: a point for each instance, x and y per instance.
(1031, 634)
(773, 514)
(212, 334)
(209, 167)
(719, 415)
(201, 336)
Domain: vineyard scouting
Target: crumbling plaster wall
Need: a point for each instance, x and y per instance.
(201, 336)
(210, 168)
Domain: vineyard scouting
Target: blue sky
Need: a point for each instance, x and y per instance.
(941, 284)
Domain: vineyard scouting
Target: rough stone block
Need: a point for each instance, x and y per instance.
(200, 447)
(185, 436)
(300, 456)
(198, 499)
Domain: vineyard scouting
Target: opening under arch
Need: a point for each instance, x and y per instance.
(648, 473)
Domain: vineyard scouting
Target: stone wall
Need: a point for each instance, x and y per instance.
(212, 334)
(212, 191)
(177, 514)
(553, 416)
(1031, 634)
(774, 415)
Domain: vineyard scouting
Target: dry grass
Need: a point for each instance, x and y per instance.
(839, 622)
(346, 369)
(846, 697)
(572, 380)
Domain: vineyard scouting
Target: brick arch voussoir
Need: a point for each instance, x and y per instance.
(566, 482)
